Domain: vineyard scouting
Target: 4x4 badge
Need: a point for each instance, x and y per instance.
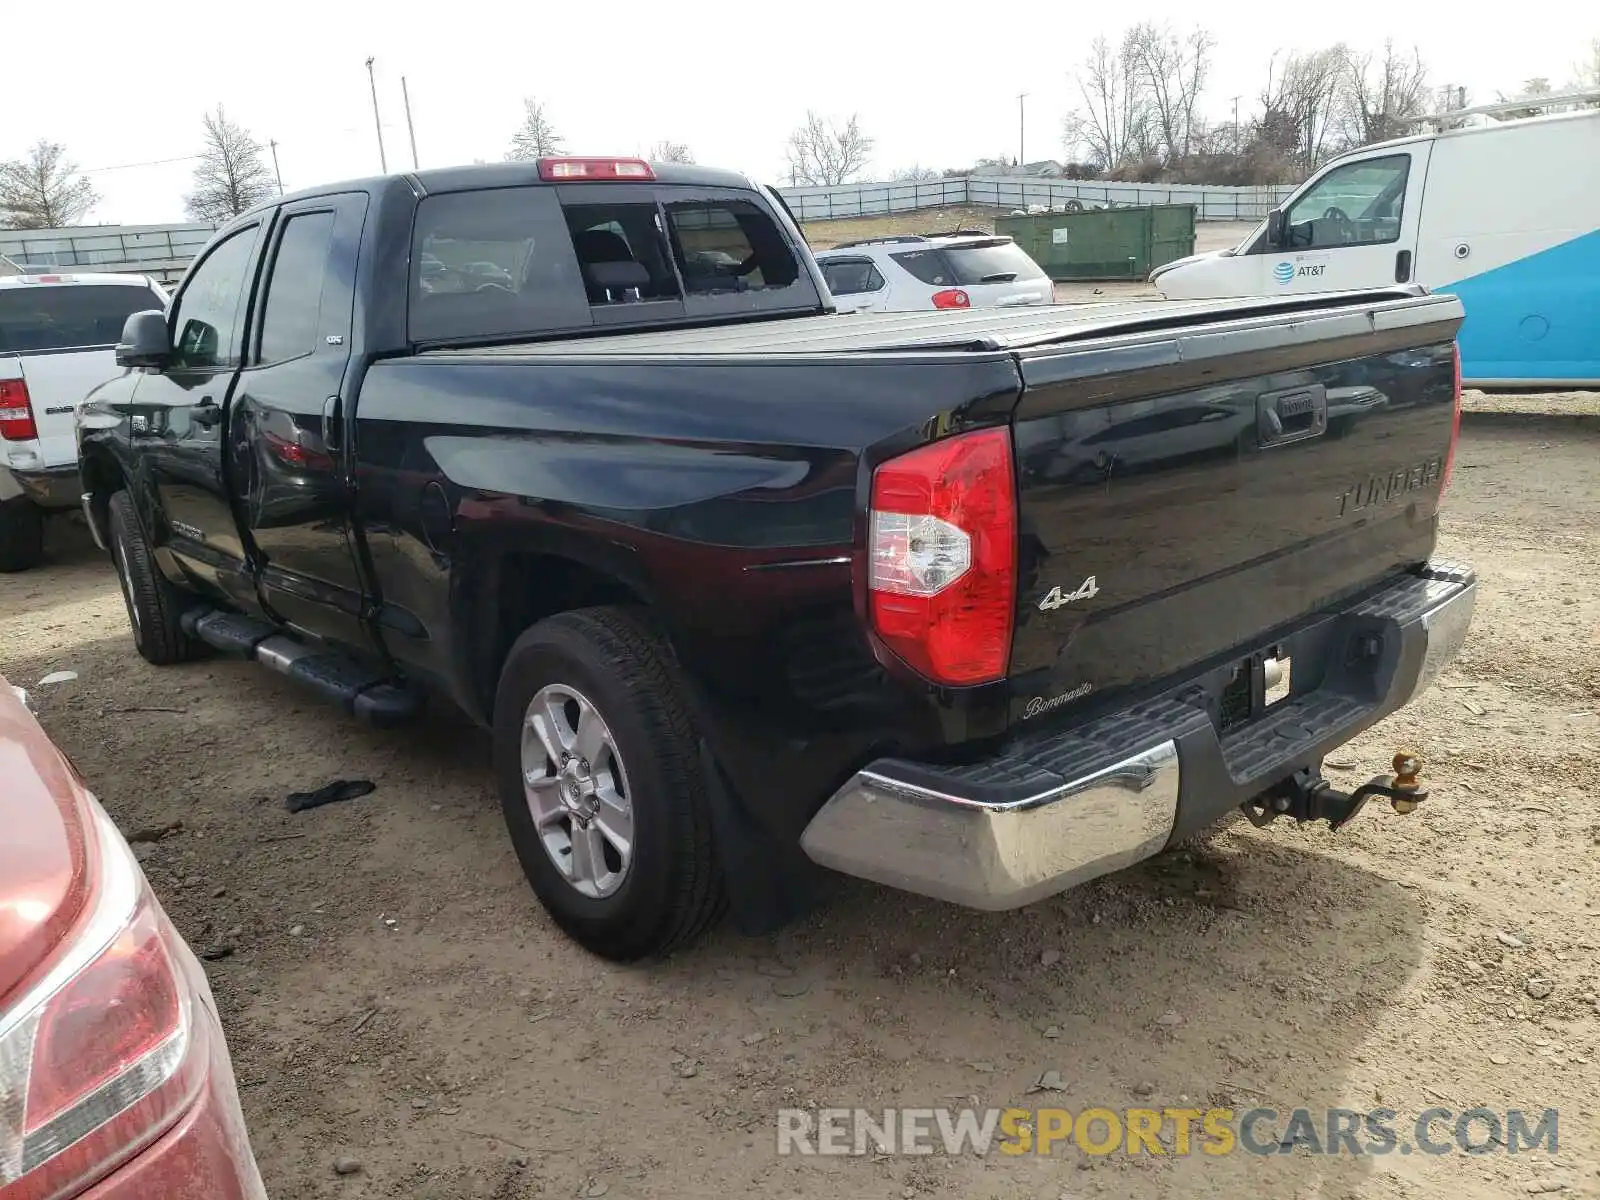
(1087, 590)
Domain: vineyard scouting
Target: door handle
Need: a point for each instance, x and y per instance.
(1402, 267)
(205, 413)
(1291, 416)
(332, 419)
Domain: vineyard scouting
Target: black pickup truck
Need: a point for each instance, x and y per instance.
(978, 604)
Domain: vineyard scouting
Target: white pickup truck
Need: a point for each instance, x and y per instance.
(57, 334)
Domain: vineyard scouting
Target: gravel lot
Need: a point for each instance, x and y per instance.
(395, 994)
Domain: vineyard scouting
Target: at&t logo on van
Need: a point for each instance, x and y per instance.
(1287, 272)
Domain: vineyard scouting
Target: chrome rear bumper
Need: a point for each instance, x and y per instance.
(1050, 812)
(998, 856)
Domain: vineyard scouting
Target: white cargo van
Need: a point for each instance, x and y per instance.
(1505, 215)
(57, 339)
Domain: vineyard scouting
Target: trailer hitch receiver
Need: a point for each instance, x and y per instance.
(1307, 796)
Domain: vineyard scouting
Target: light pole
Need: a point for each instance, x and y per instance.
(383, 159)
(1022, 129)
(411, 130)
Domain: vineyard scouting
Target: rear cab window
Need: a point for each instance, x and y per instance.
(39, 317)
(540, 259)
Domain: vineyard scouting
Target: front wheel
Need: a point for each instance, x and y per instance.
(21, 534)
(598, 767)
(154, 604)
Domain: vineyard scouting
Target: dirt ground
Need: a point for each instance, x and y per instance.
(395, 994)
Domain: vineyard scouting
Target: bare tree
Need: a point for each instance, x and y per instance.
(671, 152)
(43, 190)
(1588, 73)
(232, 175)
(1379, 94)
(913, 174)
(820, 152)
(1300, 102)
(536, 138)
(1114, 122)
(1172, 74)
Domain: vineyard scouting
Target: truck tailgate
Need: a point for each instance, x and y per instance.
(56, 382)
(1183, 493)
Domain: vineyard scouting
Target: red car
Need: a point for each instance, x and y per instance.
(115, 1081)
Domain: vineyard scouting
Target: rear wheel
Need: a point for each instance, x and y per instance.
(21, 534)
(598, 767)
(154, 604)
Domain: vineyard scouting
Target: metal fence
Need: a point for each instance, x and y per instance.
(153, 248)
(1015, 191)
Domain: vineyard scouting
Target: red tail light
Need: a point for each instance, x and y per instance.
(557, 170)
(1455, 427)
(16, 411)
(98, 1055)
(943, 557)
(952, 298)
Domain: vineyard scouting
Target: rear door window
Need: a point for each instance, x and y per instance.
(851, 276)
(44, 316)
(997, 261)
(294, 289)
(493, 263)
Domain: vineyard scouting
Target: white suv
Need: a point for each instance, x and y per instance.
(909, 273)
(57, 339)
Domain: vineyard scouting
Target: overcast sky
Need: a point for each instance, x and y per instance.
(935, 85)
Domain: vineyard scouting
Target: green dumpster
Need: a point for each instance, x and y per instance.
(1109, 243)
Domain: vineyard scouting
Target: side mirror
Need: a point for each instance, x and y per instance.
(145, 340)
(1277, 227)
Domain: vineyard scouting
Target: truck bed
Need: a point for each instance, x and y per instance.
(975, 330)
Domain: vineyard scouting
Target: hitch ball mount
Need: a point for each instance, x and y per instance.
(1307, 796)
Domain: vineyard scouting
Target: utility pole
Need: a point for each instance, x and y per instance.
(1237, 145)
(275, 169)
(410, 129)
(383, 159)
(1022, 129)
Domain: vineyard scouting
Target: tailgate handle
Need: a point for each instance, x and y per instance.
(1292, 415)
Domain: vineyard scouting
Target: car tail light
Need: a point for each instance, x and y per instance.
(95, 1058)
(556, 170)
(942, 557)
(16, 411)
(952, 298)
(1455, 425)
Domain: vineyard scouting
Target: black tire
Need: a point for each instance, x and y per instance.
(21, 534)
(154, 604)
(672, 890)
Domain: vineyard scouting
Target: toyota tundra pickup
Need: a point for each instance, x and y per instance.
(977, 604)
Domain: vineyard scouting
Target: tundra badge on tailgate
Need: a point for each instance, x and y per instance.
(1056, 598)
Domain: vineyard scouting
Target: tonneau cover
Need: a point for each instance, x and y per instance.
(971, 330)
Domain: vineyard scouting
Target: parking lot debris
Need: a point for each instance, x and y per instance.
(1538, 988)
(790, 987)
(154, 833)
(217, 951)
(1510, 940)
(1050, 957)
(346, 1165)
(58, 677)
(1048, 1081)
(330, 793)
